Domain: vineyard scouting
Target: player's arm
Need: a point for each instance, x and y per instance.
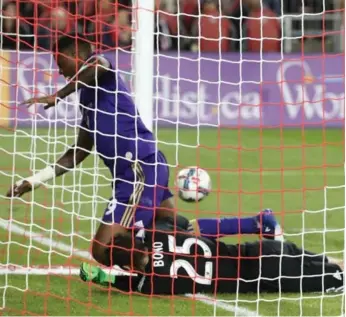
(124, 283)
(88, 74)
(70, 159)
(75, 154)
(92, 69)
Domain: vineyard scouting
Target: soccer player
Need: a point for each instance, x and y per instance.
(178, 262)
(111, 123)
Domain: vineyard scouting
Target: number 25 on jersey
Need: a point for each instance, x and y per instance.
(190, 270)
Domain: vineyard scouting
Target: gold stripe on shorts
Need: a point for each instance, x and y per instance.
(135, 196)
(194, 224)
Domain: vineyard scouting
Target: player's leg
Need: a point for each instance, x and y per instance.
(118, 215)
(102, 240)
(137, 197)
(114, 221)
(322, 276)
(273, 266)
(263, 223)
(166, 208)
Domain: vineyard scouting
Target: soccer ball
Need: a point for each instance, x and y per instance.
(193, 184)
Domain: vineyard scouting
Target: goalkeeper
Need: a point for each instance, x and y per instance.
(173, 261)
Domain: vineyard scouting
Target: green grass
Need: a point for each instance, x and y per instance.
(287, 171)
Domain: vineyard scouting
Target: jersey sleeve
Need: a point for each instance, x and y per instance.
(99, 58)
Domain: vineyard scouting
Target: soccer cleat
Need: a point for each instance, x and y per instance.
(94, 274)
(269, 226)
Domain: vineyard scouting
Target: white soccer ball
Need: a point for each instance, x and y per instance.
(193, 183)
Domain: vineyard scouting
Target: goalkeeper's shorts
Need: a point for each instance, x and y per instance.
(139, 193)
(273, 266)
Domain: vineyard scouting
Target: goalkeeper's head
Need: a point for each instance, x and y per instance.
(128, 253)
(71, 51)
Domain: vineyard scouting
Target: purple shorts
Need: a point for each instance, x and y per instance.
(142, 189)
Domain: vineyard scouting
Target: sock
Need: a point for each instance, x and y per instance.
(209, 227)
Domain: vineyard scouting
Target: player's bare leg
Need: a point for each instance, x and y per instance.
(104, 235)
(166, 209)
(106, 232)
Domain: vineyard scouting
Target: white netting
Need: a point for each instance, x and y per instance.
(251, 91)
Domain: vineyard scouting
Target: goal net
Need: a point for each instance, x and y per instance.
(251, 91)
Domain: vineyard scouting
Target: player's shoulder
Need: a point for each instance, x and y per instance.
(100, 59)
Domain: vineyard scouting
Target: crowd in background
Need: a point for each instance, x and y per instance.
(206, 25)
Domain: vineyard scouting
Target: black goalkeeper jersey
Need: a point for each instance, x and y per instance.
(181, 263)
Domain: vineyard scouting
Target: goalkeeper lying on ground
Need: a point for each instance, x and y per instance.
(172, 261)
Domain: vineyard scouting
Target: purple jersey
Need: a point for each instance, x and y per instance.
(111, 117)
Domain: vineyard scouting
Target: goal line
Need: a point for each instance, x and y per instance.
(38, 270)
(72, 271)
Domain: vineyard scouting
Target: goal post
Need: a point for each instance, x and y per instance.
(253, 94)
(143, 66)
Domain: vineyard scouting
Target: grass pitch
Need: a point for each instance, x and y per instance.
(297, 173)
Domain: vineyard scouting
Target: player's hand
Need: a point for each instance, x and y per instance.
(49, 101)
(19, 190)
